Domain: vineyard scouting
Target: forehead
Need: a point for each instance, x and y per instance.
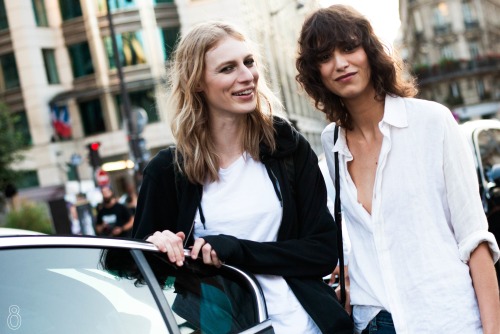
(106, 191)
(227, 49)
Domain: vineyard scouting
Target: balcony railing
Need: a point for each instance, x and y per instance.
(471, 25)
(453, 68)
(442, 29)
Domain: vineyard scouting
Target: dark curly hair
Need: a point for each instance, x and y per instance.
(340, 25)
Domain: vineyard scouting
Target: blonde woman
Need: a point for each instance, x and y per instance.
(232, 201)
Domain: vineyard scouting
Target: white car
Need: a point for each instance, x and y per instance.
(70, 284)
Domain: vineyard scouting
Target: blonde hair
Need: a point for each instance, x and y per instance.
(190, 128)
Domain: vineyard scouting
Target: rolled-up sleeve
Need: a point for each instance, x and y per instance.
(467, 214)
(469, 244)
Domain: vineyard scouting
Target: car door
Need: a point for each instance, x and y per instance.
(96, 285)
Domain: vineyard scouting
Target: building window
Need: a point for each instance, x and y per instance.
(4, 24)
(49, 61)
(441, 14)
(144, 99)
(114, 5)
(455, 89)
(22, 127)
(481, 90)
(470, 15)
(130, 47)
(447, 52)
(417, 19)
(454, 95)
(474, 50)
(92, 117)
(169, 38)
(27, 179)
(442, 23)
(70, 9)
(40, 13)
(81, 61)
(8, 72)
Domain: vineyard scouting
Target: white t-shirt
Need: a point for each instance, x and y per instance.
(243, 204)
(409, 256)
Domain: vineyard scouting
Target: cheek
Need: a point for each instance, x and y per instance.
(255, 74)
(324, 71)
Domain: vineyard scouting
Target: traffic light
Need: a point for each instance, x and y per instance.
(94, 157)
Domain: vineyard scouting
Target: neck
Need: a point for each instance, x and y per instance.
(227, 135)
(366, 115)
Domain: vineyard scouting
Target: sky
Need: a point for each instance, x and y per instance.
(383, 15)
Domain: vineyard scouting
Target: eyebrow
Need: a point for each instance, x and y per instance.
(232, 61)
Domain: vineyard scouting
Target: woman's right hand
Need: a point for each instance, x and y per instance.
(170, 243)
(336, 272)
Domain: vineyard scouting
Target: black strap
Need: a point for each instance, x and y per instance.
(338, 220)
(290, 173)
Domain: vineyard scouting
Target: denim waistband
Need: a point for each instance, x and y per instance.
(381, 324)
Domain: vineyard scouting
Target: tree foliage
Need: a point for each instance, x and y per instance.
(30, 216)
(10, 147)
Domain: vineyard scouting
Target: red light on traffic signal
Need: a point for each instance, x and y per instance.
(95, 146)
(94, 158)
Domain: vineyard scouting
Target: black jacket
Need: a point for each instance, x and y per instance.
(306, 249)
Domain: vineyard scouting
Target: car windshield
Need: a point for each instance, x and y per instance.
(109, 290)
(64, 290)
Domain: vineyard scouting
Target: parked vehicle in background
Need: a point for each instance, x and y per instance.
(68, 284)
(484, 139)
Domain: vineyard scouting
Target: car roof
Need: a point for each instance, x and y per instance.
(16, 241)
(469, 126)
(17, 231)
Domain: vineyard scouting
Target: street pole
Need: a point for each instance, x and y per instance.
(75, 161)
(274, 50)
(126, 110)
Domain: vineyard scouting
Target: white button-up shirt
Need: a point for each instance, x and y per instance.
(409, 256)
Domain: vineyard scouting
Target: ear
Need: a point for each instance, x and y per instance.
(199, 87)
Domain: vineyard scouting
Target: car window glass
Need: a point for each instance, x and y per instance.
(66, 290)
(489, 148)
(204, 299)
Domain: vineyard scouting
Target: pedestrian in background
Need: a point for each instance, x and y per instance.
(421, 254)
(113, 219)
(226, 193)
(129, 197)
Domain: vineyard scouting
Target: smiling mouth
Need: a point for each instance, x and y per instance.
(345, 76)
(244, 92)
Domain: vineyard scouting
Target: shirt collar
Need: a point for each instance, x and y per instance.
(395, 112)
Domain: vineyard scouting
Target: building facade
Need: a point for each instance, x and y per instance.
(59, 75)
(453, 47)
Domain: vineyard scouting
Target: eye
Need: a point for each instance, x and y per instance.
(351, 47)
(227, 69)
(249, 62)
(322, 58)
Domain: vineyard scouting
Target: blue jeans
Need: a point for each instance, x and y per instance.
(381, 324)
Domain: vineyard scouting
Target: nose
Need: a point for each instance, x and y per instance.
(340, 60)
(246, 74)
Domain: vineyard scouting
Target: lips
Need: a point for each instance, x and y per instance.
(244, 92)
(345, 76)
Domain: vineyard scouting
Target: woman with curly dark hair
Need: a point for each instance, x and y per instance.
(421, 258)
